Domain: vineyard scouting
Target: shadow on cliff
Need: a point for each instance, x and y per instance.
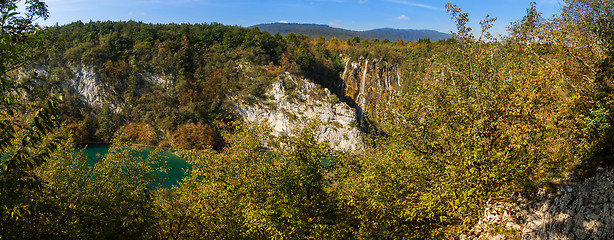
(326, 77)
(330, 78)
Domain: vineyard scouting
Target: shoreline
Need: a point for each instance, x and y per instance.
(169, 149)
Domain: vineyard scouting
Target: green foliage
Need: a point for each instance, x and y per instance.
(105, 123)
(121, 177)
(110, 198)
(248, 192)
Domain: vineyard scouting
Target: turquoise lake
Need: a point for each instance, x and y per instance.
(177, 166)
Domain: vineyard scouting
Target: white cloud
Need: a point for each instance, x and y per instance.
(282, 21)
(402, 17)
(336, 23)
(414, 4)
(132, 14)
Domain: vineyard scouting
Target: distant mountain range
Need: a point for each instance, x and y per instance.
(328, 32)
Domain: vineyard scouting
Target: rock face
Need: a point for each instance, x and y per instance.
(164, 82)
(579, 210)
(293, 102)
(86, 84)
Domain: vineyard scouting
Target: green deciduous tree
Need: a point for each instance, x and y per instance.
(248, 192)
(110, 198)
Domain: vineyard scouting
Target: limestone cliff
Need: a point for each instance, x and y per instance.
(87, 85)
(83, 81)
(291, 102)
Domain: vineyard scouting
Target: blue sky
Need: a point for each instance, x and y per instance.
(349, 14)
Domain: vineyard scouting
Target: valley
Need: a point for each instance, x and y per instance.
(288, 135)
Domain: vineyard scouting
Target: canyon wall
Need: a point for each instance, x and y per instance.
(293, 102)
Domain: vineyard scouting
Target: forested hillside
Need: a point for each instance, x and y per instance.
(155, 83)
(163, 75)
(447, 126)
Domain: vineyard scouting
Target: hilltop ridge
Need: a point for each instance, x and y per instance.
(328, 32)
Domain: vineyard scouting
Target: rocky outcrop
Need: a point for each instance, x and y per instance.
(292, 102)
(86, 84)
(165, 82)
(288, 105)
(582, 210)
(578, 210)
(496, 217)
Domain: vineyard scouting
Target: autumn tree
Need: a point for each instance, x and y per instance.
(138, 133)
(195, 136)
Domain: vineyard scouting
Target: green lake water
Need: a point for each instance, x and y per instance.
(177, 166)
